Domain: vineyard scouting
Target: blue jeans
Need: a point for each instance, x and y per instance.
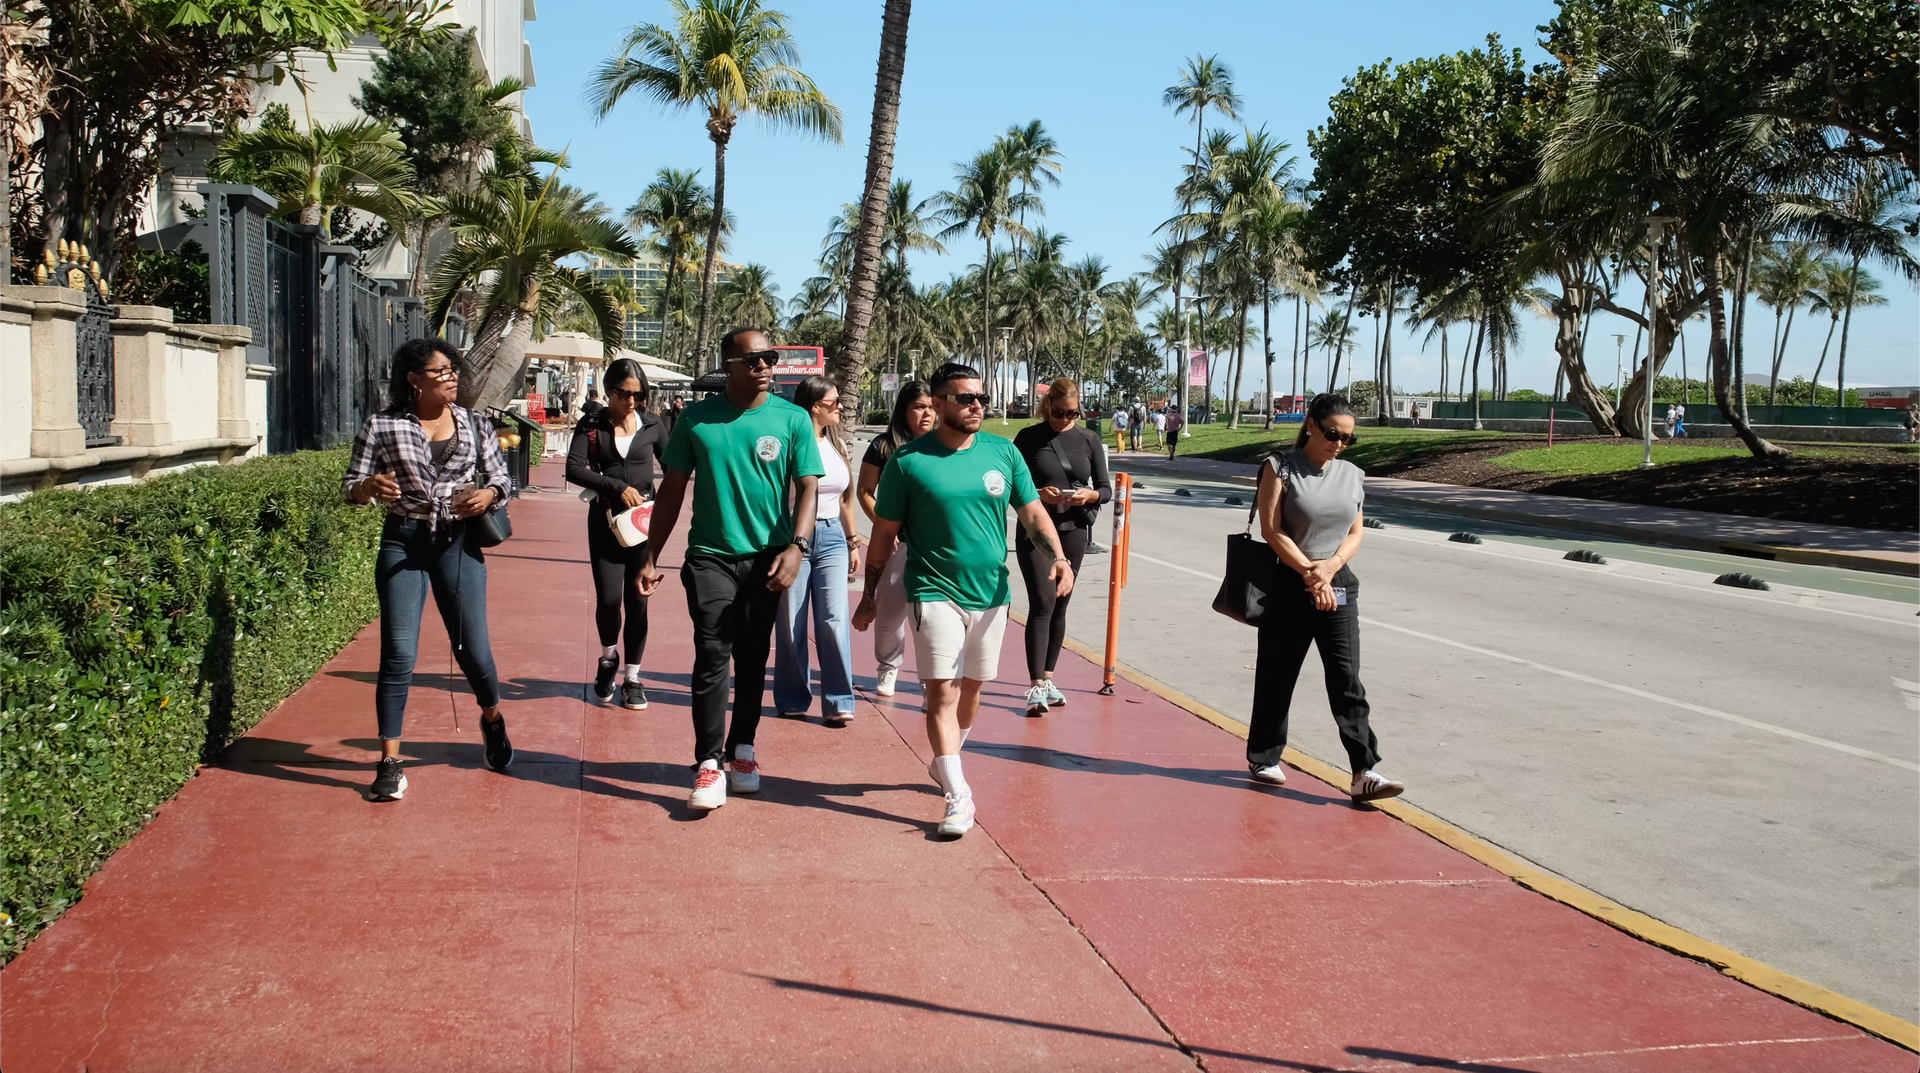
(410, 563)
(821, 582)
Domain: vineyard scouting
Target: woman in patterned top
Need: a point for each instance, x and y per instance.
(432, 464)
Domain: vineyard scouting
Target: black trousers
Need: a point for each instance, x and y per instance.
(733, 613)
(1046, 613)
(615, 571)
(1286, 631)
(1173, 443)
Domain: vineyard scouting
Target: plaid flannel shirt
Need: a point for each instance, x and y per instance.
(396, 444)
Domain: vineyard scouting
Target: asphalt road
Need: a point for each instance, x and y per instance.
(1742, 765)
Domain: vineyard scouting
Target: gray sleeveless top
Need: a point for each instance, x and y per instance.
(1317, 506)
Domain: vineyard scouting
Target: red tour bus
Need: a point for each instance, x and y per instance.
(796, 364)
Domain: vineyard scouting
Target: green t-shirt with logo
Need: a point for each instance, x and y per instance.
(742, 462)
(952, 506)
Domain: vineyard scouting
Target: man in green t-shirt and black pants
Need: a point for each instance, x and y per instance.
(754, 453)
(949, 492)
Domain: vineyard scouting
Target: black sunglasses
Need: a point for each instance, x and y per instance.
(759, 359)
(969, 398)
(1070, 415)
(1347, 438)
(622, 393)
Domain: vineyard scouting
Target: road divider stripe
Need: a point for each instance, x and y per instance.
(1697, 709)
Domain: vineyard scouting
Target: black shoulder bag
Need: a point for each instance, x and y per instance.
(1252, 571)
(491, 526)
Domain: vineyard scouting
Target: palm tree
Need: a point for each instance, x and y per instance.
(508, 245)
(1204, 83)
(1841, 291)
(983, 201)
(1783, 281)
(1333, 332)
(1034, 158)
(864, 273)
(675, 208)
(905, 228)
(360, 165)
(748, 297)
(732, 58)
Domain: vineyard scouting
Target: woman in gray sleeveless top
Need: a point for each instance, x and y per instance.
(1309, 502)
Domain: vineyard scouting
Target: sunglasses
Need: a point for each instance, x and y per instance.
(759, 359)
(969, 398)
(444, 372)
(1347, 438)
(619, 393)
(1071, 415)
(833, 403)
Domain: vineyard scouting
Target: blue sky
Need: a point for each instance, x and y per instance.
(1093, 73)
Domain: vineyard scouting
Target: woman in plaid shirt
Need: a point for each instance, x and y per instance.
(433, 465)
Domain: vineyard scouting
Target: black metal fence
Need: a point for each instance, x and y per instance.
(326, 329)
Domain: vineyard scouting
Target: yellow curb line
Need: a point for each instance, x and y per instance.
(1639, 925)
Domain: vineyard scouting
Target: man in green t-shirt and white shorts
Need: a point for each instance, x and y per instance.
(949, 492)
(753, 453)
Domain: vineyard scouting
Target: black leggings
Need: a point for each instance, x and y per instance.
(615, 586)
(1046, 613)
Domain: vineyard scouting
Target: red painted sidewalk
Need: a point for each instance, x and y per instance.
(1129, 900)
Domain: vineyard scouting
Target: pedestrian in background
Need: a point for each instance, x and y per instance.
(1673, 419)
(592, 405)
(1160, 427)
(1070, 473)
(759, 469)
(1174, 424)
(612, 456)
(433, 465)
(914, 415)
(1120, 427)
(1680, 419)
(1309, 503)
(832, 560)
(1136, 428)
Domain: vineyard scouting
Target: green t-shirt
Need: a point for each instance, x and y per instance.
(742, 462)
(952, 506)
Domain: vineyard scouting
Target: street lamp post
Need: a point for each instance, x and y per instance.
(1619, 345)
(1006, 361)
(1656, 233)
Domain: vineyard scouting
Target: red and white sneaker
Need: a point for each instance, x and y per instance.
(709, 787)
(743, 774)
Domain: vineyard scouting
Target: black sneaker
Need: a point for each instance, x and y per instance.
(603, 680)
(499, 749)
(389, 782)
(633, 697)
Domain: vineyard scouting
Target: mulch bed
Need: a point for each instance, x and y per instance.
(1867, 488)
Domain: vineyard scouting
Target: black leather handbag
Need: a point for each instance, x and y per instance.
(492, 526)
(1246, 592)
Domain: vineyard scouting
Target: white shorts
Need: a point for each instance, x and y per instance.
(950, 641)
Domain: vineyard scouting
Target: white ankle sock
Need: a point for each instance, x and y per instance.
(946, 771)
(964, 731)
(610, 652)
(632, 672)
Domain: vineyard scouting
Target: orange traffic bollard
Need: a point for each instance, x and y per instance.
(1117, 575)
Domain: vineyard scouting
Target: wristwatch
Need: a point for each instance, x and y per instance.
(801, 543)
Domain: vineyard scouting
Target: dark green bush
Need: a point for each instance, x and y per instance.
(143, 628)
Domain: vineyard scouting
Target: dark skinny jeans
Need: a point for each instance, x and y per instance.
(615, 572)
(411, 562)
(733, 614)
(1046, 613)
(1290, 625)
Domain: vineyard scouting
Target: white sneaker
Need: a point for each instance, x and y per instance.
(1272, 774)
(1370, 785)
(959, 818)
(1037, 701)
(838, 719)
(743, 775)
(884, 687)
(709, 787)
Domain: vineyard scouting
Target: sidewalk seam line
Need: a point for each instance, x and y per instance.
(1749, 971)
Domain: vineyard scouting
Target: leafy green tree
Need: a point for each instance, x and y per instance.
(360, 164)
(984, 202)
(730, 58)
(748, 297)
(674, 210)
(1204, 83)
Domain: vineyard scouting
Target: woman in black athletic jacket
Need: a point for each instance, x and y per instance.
(1069, 468)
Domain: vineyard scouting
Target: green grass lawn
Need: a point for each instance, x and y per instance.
(1377, 445)
(1576, 459)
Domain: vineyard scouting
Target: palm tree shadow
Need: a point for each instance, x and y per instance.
(1063, 760)
(293, 761)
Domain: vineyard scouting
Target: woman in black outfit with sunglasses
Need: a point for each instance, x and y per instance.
(612, 456)
(1309, 502)
(1069, 468)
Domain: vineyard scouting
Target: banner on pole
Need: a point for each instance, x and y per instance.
(1196, 368)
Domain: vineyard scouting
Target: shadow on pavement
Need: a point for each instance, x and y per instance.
(1430, 1062)
(1062, 760)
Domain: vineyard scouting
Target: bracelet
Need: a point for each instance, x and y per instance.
(1064, 559)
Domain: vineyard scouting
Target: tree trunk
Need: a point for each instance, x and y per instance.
(56, 173)
(1443, 362)
(864, 276)
(496, 364)
(1478, 346)
(1740, 337)
(1266, 344)
(1775, 365)
(1293, 383)
(1473, 329)
(1846, 326)
(1719, 358)
(1385, 385)
(1580, 387)
(1814, 391)
(1239, 365)
(719, 128)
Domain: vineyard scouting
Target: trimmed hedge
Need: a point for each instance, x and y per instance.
(143, 628)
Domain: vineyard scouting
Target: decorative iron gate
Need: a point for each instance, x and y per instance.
(93, 350)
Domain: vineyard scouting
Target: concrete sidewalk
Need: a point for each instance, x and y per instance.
(1877, 550)
(1129, 901)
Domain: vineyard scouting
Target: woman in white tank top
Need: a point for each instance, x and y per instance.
(819, 590)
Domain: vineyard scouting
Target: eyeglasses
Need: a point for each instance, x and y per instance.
(444, 372)
(833, 403)
(969, 398)
(759, 359)
(1071, 415)
(1347, 438)
(621, 393)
